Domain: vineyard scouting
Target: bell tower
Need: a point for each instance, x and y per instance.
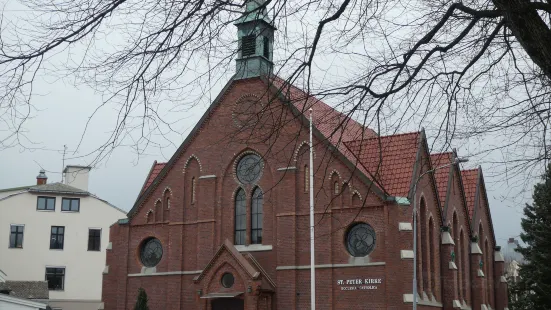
(255, 33)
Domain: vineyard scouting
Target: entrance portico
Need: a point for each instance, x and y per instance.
(234, 281)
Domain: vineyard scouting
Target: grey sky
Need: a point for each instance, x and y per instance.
(63, 109)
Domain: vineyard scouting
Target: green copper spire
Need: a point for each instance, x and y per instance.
(256, 36)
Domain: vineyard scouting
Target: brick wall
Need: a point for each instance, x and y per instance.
(201, 186)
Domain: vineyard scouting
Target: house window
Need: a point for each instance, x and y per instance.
(16, 236)
(45, 203)
(240, 217)
(70, 204)
(56, 278)
(256, 216)
(248, 45)
(57, 237)
(94, 239)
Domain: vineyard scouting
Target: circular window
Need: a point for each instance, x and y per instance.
(360, 240)
(227, 280)
(249, 169)
(151, 252)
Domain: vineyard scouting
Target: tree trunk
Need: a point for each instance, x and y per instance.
(530, 30)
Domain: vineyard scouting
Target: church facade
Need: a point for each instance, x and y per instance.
(224, 224)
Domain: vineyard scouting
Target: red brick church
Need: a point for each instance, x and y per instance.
(224, 224)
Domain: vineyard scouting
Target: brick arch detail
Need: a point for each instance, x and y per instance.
(295, 156)
(190, 158)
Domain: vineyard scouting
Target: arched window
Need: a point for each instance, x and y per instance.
(166, 209)
(464, 263)
(149, 217)
(193, 190)
(356, 201)
(158, 211)
(424, 250)
(256, 216)
(433, 264)
(488, 275)
(306, 179)
(458, 250)
(240, 217)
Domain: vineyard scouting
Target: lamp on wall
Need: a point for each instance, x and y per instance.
(249, 289)
(453, 256)
(200, 292)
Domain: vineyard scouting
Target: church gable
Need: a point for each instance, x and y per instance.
(245, 113)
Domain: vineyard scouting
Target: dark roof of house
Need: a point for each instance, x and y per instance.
(12, 189)
(27, 289)
(57, 188)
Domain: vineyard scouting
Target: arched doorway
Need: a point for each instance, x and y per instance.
(228, 304)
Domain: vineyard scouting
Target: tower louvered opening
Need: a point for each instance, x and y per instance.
(248, 45)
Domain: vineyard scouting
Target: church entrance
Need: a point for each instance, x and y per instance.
(228, 304)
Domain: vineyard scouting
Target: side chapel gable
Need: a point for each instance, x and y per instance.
(423, 164)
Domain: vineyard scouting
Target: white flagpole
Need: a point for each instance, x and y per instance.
(311, 190)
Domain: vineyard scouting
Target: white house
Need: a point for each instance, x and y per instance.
(57, 232)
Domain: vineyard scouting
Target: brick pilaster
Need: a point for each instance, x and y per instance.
(501, 291)
(449, 271)
(477, 277)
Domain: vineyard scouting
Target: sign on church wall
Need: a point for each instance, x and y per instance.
(359, 284)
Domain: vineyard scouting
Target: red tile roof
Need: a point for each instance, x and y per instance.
(441, 175)
(469, 178)
(153, 172)
(389, 160)
(334, 125)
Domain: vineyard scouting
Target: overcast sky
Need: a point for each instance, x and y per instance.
(62, 111)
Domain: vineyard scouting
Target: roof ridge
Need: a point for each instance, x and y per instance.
(387, 136)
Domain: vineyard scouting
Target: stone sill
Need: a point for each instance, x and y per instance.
(253, 248)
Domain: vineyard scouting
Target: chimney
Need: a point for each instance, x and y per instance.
(76, 176)
(41, 178)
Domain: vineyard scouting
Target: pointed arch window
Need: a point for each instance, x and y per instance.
(158, 211)
(256, 216)
(193, 190)
(240, 217)
(166, 211)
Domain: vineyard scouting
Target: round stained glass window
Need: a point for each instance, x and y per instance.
(249, 169)
(360, 240)
(227, 280)
(151, 252)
